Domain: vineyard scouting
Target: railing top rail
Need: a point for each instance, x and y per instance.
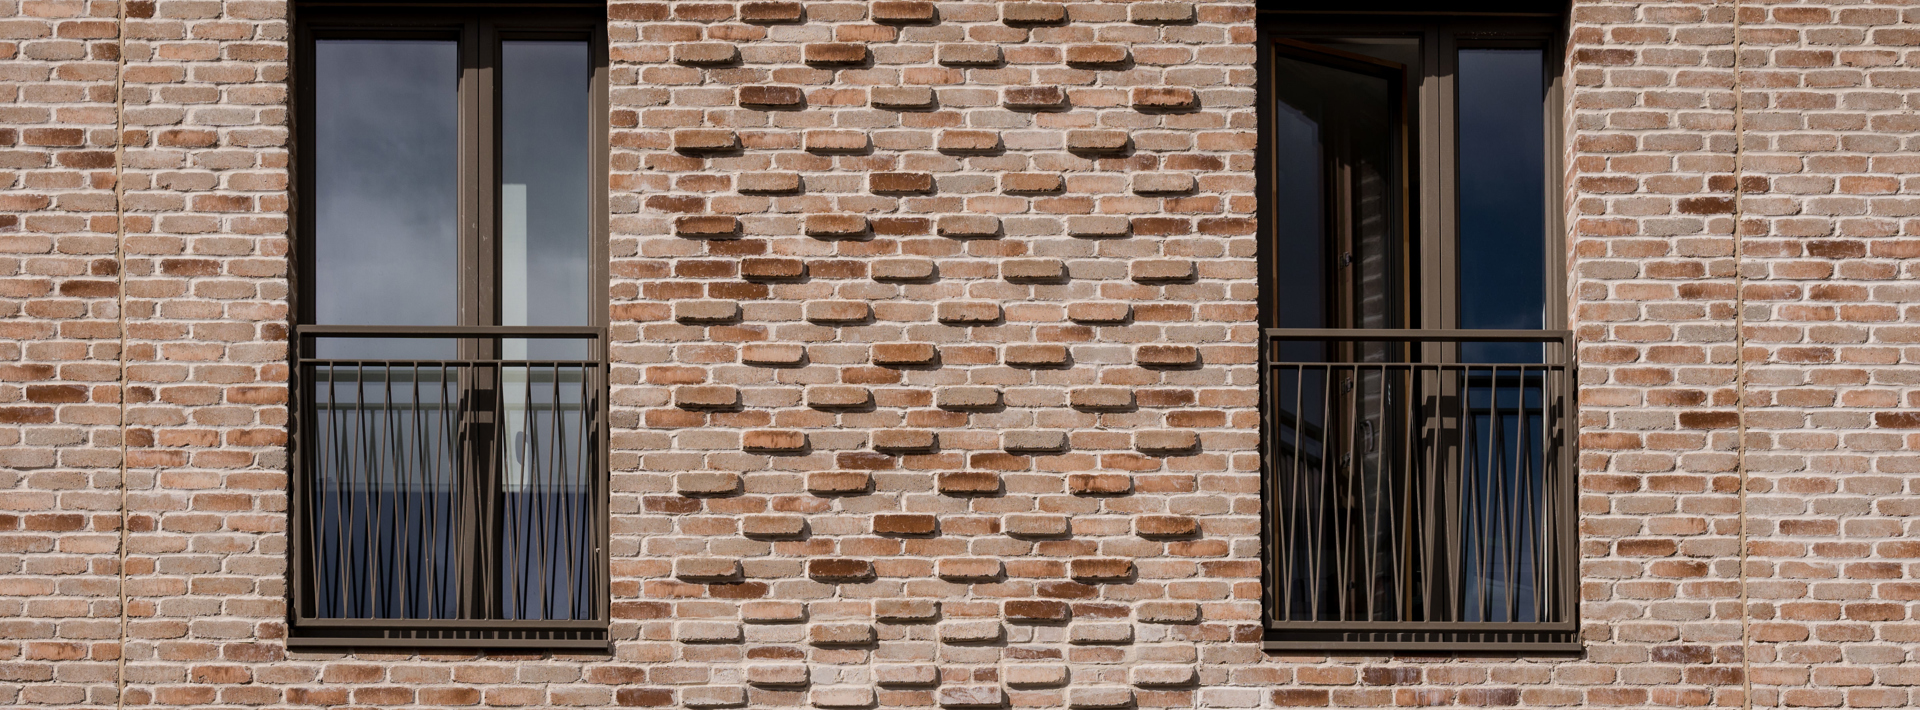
(1420, 335)
(450, 331)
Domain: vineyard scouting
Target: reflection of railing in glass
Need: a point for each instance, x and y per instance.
(1416, 498)
(451, 498)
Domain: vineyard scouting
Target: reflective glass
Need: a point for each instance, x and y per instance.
(1502, 199)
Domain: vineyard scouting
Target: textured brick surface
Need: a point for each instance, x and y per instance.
(960, 410)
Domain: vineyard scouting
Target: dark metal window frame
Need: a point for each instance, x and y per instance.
(479, 29)
(1430, 264)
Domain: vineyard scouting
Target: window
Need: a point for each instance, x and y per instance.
(449, 357)
(1417, 377)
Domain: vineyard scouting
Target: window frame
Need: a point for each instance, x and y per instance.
(1431, 261)
(480, 32)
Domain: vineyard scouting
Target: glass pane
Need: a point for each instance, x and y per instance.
(545, 228)
(1502, 198)
(386, 182)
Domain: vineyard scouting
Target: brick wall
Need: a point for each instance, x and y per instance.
(933, 338)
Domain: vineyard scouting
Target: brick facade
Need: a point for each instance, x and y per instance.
(933, 342)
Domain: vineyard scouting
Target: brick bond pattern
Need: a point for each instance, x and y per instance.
(934, 380)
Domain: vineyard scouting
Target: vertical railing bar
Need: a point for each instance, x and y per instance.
(542, 521)
(1294, 477)
(1323, 508)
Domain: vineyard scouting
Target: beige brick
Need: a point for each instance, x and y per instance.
(706, 311)
(1167, 441)
(965, 141)
(836, 226)
(967, 398)
(1163, 676)
(904, 12)
(1035, 675)
(1038, 526)
(1099, 399)
(706, 569)
(1098, 55)
(773, 354)
(773, 525)
(901, 96)
(838, 312)
(968, 312)
(970, 226)
(1099, 227)
(777, 674)
(1097, 696)
(705, 53)
(830, 141)
(706, 483)
(970, 696)
(903, 269)
(1033, 13)
(1162, 270)
(1102, 312)
(840, 634)
(841, 696)
(1033, 270)
(1034, 441)
(1163, 183)
(896, 675)
(770, 183)
(969, 54)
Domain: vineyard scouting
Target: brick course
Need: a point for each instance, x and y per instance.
(934, 374)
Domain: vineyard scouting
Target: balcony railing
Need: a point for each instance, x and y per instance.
(449, 488)
(1420, 489)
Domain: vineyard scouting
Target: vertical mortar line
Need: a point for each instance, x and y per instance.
(1739, 354)
(120, 312)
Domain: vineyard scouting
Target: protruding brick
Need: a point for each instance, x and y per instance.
(1099, 312)
(1099, 226)
(774, 441)
(904, 524)
(841, 696)
(706, 483)
(1031, 183)
(968, 312)
(903, 269)
(770, 13)
(906, 610)
(705, 140)
(1037, 526)
(905, 441)
(838, 312)
(1100, 484)
(970, 696)
(772, 269)
(1164, 98)
(773, 354)
(1165, 441)
(772, 97)
(1162, 270)
(839, 570)
(1032, 13)
(777, 674)
(838, 397)
(1165, 526)
(773, 525)
(1160, 13)
(1165, 612)
(969, 226)
(905, 354)
(1025, 674)
(900, 97)
(1099, 697)
(1097, 141)
(1034, 98)
(706, 397)
(1101, 569)
(1163, 676)
(1033, 270)
(839, 483)
(1167, 356)
(897, 675)
(1101, 399)
(1034, 441)
(706, 569)
(969, 483)
(840, 634)
(969, 54)
(977, 631)
(758, 183)
(968, 141)
(834, 141)
(1036, 610)
(967, 398)
(904, 12)
(837, 226)
(705, 53)
(1163, 183)
(970, 569)
(706, 311)
(1037, 355)
(706, 227)
(1097, 55)
(900, 183)
(835, 53)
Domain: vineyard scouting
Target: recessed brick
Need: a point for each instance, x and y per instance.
(965, 141)
(970, 569)
(969, 483)
(968, 312)
(839, 570)
(905, 354)
(835, 53)
(1097, 55)
(1164, 98)
(903, 269)
(1100, 484)
(774, 441)
(969, 54)
(905, 441)
(1163, 183)
(838, 312)
(900, 183)
(969, 226)
(706, 483)
(838, 397)
(1034, 441)
(1160, 13)
(904, 524)
(1097, 141)
(1037, 355)
(837, 226)
(1033, 13)
(770, 269)
(773, 526)
(705, 53)
(1161, 526)
(1162, 270)
(839, 483)
(1033, 270)
(1034, 98)
(1099, 312)
(705, 140)
(901, 97)
(906, 610)
(706, 227)
(1167, 356)
(832, 141)
(1101, 569)
(769, 13)
(706, 311)
(1031, 183)
(1165, 441)
(772, 96)
(773, 354)
(904, 12)
(706, 397)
